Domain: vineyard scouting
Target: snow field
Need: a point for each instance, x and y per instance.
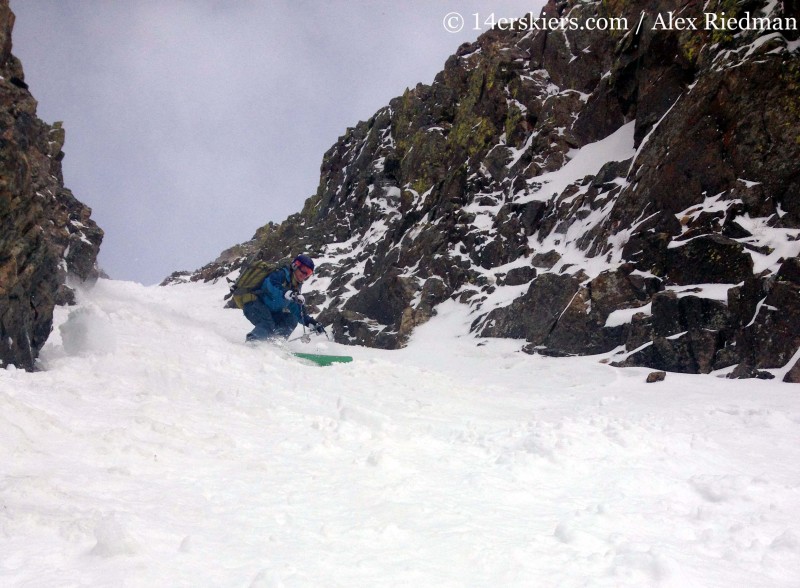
(157, 449)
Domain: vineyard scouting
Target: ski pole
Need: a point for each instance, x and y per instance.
(305, 318)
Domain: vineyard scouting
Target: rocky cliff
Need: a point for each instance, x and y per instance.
(46, 235)
(634, 189)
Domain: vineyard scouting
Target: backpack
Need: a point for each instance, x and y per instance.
(246, 287)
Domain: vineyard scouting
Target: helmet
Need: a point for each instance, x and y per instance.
(303, 260)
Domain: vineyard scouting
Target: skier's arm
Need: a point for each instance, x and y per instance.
(272, 292)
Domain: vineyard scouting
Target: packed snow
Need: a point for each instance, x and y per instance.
(588, 160)
(156, 448)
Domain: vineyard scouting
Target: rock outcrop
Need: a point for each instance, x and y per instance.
(46, 235)
(632, 189)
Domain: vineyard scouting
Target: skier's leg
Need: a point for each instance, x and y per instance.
(285, 323)
(258, 314)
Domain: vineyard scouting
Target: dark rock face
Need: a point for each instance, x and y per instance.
(709, 259)
(582, 190)
(773, 336)
(535, 315)
(46, 235)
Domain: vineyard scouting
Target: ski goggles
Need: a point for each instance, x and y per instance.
(305, 270)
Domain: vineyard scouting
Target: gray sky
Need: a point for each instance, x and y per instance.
(191, 123)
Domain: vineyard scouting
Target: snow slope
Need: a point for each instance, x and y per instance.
(156, 449)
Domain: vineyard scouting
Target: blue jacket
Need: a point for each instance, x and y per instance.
(273, 294)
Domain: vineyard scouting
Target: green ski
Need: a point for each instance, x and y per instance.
(323, 360)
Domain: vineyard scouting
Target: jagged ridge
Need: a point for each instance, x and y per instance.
(572, 187)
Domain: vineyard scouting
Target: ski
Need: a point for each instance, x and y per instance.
(323, 360)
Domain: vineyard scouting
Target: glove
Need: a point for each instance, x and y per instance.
(295, 297)
(315, 326)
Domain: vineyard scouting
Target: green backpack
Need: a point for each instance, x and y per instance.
(246, 287)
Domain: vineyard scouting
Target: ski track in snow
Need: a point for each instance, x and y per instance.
(157, 449)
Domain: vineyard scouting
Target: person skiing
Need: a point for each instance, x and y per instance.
(279, 306)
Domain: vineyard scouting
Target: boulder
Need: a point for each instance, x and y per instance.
(519, 275)
(692, 352)
(534, 315)
(793, 375)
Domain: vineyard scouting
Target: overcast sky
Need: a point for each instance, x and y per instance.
(192, 123)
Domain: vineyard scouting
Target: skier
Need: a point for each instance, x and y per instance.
(279, 306)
